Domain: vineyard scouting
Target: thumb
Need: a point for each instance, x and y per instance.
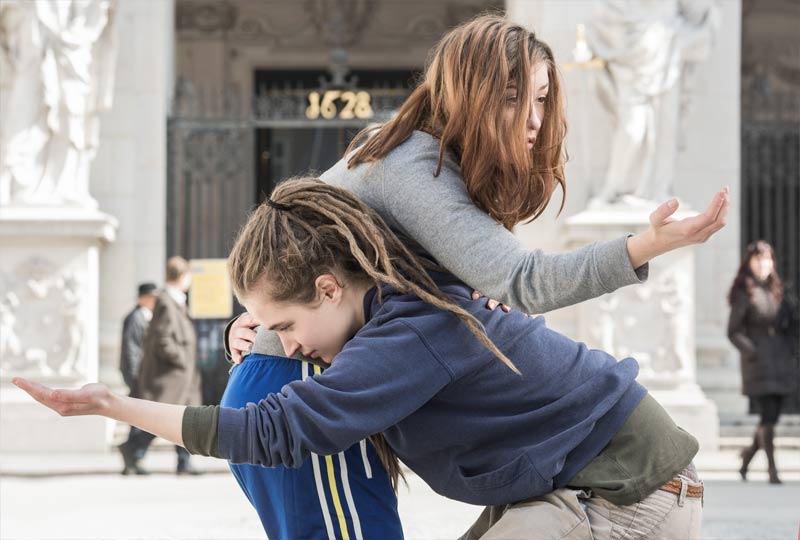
(663, 212)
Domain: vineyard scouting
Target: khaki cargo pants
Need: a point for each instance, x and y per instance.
(577, 515)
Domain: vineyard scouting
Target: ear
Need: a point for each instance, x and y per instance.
(328, 287)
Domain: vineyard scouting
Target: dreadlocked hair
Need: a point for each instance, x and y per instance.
(309, 228)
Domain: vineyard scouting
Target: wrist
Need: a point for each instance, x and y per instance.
(113, 406)
(643, 247)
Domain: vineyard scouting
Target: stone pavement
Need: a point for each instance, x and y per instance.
(79, 496)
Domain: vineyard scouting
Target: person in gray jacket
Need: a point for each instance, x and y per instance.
(133, 330)
(761, 325)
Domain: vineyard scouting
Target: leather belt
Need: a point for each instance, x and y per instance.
(674, 486)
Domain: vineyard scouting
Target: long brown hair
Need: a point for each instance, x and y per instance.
(745, 281)
(308, 228)
(461, 100)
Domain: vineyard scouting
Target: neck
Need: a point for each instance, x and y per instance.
(357, 291)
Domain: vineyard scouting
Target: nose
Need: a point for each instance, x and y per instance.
(534, 118)
(290, 346)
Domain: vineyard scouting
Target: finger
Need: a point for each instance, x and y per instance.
(505, 308)
(722, 220)
(492, 304)
(39, 393)
(248, 320)
(246, 334)
(70, 396)
(36, 390)
(716, 205)
(241, 346)
(726, 203)
(245, 320)
(476, 295)
(713, 219)
(664, 211)
(236, 357)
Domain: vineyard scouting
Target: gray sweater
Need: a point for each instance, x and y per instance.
(434, 216)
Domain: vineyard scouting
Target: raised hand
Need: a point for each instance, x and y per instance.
(667, 233)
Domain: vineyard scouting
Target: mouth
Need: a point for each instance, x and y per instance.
(531, 142)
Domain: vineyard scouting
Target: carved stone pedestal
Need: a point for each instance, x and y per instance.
(652, 322)
(48, 321)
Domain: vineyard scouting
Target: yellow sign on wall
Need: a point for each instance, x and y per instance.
(210, 296)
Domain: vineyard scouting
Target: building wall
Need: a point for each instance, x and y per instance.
(710, 160)
(128, 176)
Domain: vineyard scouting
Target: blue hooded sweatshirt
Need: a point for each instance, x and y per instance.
(456, 415)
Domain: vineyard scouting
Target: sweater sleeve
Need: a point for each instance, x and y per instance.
(199, 430)
(367, 390)
(439, 215)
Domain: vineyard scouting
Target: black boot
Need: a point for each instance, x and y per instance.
(184, 463)
(130, 461)
(768, 442)
(748, 453)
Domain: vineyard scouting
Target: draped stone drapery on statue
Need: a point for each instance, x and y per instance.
(58, 71)
(650, 48)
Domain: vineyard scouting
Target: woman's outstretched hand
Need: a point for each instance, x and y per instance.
(241, 337)
(93, 398)
(162, 419)
(667, 233)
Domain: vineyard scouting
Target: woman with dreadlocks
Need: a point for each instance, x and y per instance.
(487, 407)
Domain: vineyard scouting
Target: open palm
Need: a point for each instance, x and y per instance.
(93, 398)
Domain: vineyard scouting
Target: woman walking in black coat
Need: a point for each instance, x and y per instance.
(760, 327)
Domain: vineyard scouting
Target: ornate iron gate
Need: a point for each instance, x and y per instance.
(217, 173)
(770, 208)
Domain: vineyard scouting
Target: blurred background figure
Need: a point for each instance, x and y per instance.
(169, 371)
(133, 331)
(761, 325)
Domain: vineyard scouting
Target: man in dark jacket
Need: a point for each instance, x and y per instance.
(169, 371)
(133, 330)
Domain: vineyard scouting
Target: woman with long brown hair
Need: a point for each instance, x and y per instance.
(760, 327)
(476, 149)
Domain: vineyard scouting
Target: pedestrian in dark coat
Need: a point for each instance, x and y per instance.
(169, 371)
(133, 331)
(760, 327)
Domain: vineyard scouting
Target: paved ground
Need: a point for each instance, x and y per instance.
(81, 497)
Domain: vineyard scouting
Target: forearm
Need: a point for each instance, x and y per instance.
(161, 419)
(542, 282)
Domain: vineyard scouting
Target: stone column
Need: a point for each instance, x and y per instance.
(48, 322)
(58, 64)
(653, 322)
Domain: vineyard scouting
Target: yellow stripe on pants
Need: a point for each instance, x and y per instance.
(337, 504)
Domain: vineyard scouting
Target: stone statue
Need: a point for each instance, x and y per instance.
(650, 48)
(58, 71)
